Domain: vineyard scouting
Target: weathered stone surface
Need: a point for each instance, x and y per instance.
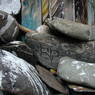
(72, 29)
(50, 48)
(18, 77)
(21, 50)
(51, 80)
(78, 72)
(10, 6)
(8, 28)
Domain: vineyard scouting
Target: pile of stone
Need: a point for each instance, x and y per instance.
(56, 59)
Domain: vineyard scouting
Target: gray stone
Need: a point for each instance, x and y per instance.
(72, 29)
(78, 72)
(50, 48)
(51, 80)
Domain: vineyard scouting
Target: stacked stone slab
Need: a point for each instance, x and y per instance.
(49, 48)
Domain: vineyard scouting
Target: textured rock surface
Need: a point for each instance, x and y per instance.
(72, 29)
(21, 50)
(8, 28)
(78, 72)
(51, 80)
(18, 77)
(50, 48)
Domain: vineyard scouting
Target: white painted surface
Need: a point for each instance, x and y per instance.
(10, 6)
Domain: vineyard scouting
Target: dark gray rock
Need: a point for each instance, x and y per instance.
(21, 50)
(50, 48)
(17, 77)
(8, 28)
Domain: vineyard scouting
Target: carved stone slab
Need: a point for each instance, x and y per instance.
(50, 48)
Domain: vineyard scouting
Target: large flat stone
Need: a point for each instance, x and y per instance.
(50, 48)
(72, 29)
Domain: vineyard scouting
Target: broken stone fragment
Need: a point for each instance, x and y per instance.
(50, 48)
(10, 6)
(51, 80)
(18, 77)
(78, 72)
(8, 28)
(72, 29)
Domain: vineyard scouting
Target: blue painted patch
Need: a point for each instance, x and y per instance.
(31, 13)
